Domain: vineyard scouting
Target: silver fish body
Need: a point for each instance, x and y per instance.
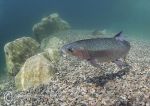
(101, 49)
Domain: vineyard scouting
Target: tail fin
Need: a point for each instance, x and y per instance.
(119, 36)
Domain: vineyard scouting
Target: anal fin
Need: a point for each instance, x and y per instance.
(120, 63)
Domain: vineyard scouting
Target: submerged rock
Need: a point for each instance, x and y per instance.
(2, 87)
(51, 46)
(48, 25)
(53, 55)
(17, 51)
(51, 42)
(99, 32)
(36, 70)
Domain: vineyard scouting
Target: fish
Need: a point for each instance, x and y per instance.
(99, 50)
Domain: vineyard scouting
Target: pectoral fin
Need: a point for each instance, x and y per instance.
(94, 63)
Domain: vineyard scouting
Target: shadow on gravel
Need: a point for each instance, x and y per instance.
(102, 80)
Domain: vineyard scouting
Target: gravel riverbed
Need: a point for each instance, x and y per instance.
(77, 83)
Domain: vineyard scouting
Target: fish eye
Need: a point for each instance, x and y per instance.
(70, 50)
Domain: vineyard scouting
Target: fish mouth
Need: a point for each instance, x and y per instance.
(63, 50)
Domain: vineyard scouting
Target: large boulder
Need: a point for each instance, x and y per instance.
(51, 42)
(53, 55)
(51, 46)
(37, 70)
(17, 51)
(48, 25)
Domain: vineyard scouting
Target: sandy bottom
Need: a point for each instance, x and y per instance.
(77, 83)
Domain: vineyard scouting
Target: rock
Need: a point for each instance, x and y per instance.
(53, 55)
(51, 46)
(51, 42)
(36, 70)
(2, 87)
(99, 32)
(48, 25)
(17, 51)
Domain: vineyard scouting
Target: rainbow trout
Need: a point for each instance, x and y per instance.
(100, 50)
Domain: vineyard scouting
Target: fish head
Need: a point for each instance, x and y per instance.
(70, 48)
(73, 49)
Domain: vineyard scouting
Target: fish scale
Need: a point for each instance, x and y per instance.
(99, 44)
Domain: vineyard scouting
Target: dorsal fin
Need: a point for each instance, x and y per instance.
(119, 36)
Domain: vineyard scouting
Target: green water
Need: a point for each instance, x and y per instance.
(130, 16)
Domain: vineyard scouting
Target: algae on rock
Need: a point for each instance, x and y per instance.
(17, 51)
(48, 25)
(36, 70)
